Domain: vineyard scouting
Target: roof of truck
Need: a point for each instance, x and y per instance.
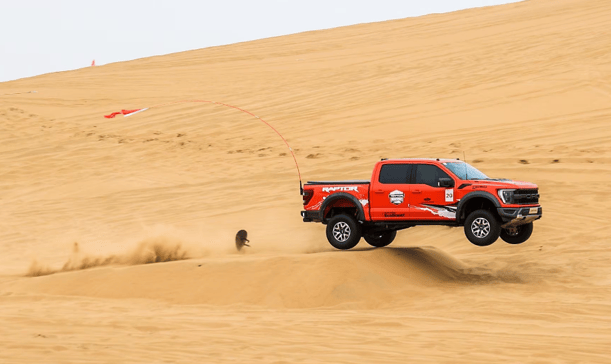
(446, 160)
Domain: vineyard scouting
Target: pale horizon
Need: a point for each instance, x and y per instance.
(66, 35)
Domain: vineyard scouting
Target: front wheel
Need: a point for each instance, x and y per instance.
(343, 232)
(517, 234)
(380, 239)
(482, 228)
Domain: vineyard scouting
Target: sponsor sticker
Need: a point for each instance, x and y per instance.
(396, 197)
(450, 195)
(393, 214)
(342, 189)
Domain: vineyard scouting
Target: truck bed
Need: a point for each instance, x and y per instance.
(350, 182)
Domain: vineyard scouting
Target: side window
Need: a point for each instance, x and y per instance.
(394, 173)
(428, 174)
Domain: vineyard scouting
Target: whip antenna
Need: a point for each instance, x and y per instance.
(464, 157)
(126, 113)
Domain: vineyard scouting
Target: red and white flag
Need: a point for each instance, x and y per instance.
(125, 113)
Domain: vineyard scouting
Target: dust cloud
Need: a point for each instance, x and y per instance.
(159, 244)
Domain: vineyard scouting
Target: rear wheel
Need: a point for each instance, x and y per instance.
(482, 228)
(517, 234)
(343, 232)
(380, 239)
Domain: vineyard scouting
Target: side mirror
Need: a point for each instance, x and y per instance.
(445, 182)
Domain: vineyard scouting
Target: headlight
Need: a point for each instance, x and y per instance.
(506, 196)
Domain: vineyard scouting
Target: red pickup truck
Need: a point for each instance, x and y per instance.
(408, 192)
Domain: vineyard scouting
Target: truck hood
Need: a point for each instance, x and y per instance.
(500, 183)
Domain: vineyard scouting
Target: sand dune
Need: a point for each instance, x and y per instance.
(523, 89)
(367, 278)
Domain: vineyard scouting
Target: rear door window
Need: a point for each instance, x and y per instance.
(395, 173)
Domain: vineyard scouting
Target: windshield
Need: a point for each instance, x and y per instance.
(463, 170)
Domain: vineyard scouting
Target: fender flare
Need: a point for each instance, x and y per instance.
(470, 196)
(360, 214)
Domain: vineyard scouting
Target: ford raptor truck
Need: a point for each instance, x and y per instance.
(408, 192)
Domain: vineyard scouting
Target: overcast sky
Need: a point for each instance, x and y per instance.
(42, 36)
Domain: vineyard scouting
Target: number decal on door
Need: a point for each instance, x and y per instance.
(450, 195)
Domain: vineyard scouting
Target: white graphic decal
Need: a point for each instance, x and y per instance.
(343, 189)
(450, 195)
(396, 197)
(315, 207)
(448, 212)
(364, 202)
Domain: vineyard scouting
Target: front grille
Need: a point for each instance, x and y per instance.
(526, 196)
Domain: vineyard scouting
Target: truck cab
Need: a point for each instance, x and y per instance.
(412, 190)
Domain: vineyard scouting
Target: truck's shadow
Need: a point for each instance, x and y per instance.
(432, 262)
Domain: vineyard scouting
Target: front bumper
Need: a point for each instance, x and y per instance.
(519, 216)
(311, 216)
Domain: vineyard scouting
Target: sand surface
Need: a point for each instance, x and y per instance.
(86, 202)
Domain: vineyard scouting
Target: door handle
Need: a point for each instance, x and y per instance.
(416, 191)
(379, 191)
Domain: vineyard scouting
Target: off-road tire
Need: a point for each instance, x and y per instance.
(380, 239)
(343, 232)
(482, 228)
(523, 233)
